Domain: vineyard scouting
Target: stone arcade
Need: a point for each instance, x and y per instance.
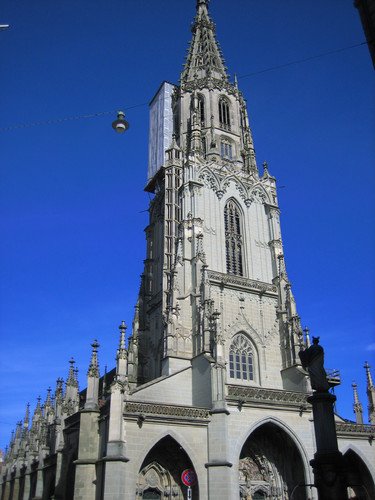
(210, 379)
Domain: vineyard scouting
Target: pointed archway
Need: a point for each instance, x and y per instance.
(271, 466)
(361, 484)
(160, 473)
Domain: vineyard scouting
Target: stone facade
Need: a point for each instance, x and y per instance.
(210, 379)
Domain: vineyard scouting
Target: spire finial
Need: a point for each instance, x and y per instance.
(122, 329)
(307, 336)
(18, 429)
(370, 394)
(93, 370)
(370, 383)
(265, 169)
(357, 407)
(202, 2)
(47, 401)
(59, 390)
(71, 378)
(92, 391)
(27, 416)
(122, 354)
(49, 394)
(355, 393)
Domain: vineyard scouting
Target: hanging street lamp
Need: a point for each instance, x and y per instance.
(120, 125)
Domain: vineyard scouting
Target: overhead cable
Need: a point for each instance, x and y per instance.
(112, 112)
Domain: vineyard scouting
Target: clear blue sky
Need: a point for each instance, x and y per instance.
(72, 200)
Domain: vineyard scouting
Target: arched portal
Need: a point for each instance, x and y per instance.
(271, 466)
(160, 473)
(361, 485)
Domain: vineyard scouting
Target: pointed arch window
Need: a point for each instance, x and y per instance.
(241, 358)
(233, 238)
(224, 115)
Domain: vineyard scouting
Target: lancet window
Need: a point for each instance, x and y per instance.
(233, 238)
(224, 115)
(241, 358)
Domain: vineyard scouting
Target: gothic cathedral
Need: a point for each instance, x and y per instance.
(210, 382)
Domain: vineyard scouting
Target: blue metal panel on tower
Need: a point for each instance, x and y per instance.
(161, 127)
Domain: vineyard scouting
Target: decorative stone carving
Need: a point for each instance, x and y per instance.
(166, 410)
(258, 194)
(239, 282)
(155, 478)
(209, 230)
(350, 429)
(269, 396)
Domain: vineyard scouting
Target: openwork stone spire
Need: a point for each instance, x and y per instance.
(204, 57)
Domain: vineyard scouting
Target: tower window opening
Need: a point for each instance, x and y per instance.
(226, 150)
(241, 359)
(201, 110)
(233, 238)
(204, 146)
(224, 117)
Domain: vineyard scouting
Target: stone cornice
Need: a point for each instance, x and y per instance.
(239, 282)
(163, 410)
(270, 397)
(350, 429)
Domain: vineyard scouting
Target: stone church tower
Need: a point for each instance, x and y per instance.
(214, 282)
(210, 381)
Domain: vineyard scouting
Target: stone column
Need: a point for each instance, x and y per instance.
(115, 461)
(85, 477)
(328, 462)
(220, 470)
(6, 489)
(39, 485)
(16, 486)
(27, 487)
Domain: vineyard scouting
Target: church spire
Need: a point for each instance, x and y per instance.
(204, 57)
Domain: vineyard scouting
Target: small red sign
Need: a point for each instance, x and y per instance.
(189, 477)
